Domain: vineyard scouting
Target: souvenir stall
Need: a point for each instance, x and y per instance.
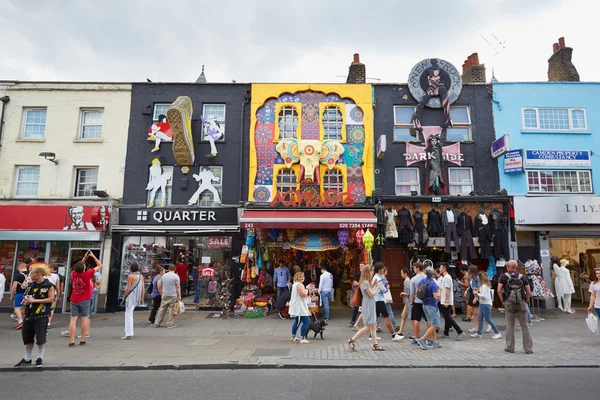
(343, 249)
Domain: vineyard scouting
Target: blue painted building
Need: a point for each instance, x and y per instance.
(551, 131)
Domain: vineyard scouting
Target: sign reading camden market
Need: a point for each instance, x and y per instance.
(193, 216)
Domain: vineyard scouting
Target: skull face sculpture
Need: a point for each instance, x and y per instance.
(310, 153)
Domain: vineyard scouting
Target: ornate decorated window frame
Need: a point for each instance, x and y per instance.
(278, 107)
(341, 168)
(277, 168)
(342, 108)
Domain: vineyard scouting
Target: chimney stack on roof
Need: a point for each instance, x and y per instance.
(357, 72)
(473, 71)
(560, 67)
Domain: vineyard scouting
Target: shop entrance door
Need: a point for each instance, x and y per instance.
(75, 254)
(395, 260)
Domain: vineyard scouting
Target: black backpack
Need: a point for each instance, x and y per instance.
(423, 291)
(515, 290)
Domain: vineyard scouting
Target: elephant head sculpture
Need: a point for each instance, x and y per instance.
(310, 153)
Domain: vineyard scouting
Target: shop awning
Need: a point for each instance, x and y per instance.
(307, 219)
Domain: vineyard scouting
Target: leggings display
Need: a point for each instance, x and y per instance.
(451, 236)
(501, 245)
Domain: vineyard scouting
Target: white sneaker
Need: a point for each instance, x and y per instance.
(397, 338)
(488, 329)
(378, 338)
(476, 335)
(472, 330)
(13, 316)
(497, 336)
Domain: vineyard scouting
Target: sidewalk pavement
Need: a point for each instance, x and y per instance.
(201, 341)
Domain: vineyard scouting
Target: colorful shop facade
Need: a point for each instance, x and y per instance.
(183, 188)
(437, 193)
(550, 167)
(310, 181)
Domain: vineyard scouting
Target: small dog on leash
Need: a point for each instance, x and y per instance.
(317, 326)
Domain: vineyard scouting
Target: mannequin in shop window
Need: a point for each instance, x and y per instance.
(381, 217)
(484, 234)
(405, 226)
(500, 234)
(563, 284)
(434, 223)
(421, 237)
(464, 226)
(449, 219)
(390, 223)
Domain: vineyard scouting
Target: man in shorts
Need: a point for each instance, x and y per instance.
(431, 311)
(81, 297)
(380, 308)
(37, 301)
(416, 313)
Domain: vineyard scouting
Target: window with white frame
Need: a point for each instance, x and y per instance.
(286, 180)
(86, 181)
(561, 119)
(460, 180)
(333, 123)
(158, 198)
(333, 180)
(160, 109)
(288, 122)
(207, 198)
(214, 112)
(26, 181)
(34, 123)
(403, 127)
(461, 124)
(407, 181)
(559, 181)
(91, 123)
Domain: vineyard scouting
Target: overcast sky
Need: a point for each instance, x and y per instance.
(285, 41)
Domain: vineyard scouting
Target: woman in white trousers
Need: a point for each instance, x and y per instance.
(133, 296)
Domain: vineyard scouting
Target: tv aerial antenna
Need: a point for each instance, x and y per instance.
(372, 79)
(496, 44)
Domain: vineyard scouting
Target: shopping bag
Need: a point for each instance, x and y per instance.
(387, 297)
(181, 307)
(592, 323)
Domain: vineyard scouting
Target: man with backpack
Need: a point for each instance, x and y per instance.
(429, 293)
(416, 303)
(514, 292)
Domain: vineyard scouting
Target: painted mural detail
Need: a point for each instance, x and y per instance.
(310, 154)
(158, 180)
(179, 116)
(160, 131)
(212, 133)
(205, 179)
(434, 83)
(434, 153)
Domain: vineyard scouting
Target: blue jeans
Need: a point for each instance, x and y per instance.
(528, 311)
(597, 312)
(388, 307)
(305, 321)
(354, 315)
(325, 298)
(196, 291)
(485, 312)
(281, 289)
(94, 301)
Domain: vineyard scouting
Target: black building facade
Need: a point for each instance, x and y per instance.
(433, 139)
(183, 212)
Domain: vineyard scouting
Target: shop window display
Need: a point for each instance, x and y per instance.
(7, 259)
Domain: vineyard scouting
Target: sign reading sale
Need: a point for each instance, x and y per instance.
(219, 242)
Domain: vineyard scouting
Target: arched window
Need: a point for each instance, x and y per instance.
(333, 180)
(288, 122)
(286, 180)
(333, 123)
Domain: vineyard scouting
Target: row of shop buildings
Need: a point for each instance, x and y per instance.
(237, 176)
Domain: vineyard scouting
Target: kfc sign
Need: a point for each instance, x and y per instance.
(219, 242)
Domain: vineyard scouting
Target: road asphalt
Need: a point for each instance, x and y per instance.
(317, 384)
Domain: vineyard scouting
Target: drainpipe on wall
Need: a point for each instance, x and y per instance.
(4, 101)
(242, 146)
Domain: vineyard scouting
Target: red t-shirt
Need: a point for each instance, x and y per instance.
(82, 285)
(182, 271)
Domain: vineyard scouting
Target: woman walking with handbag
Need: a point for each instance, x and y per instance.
(133, 296)
(369, 314)
(485, 306)
(299, 308)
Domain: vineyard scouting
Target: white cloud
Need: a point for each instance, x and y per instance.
(273, 41)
